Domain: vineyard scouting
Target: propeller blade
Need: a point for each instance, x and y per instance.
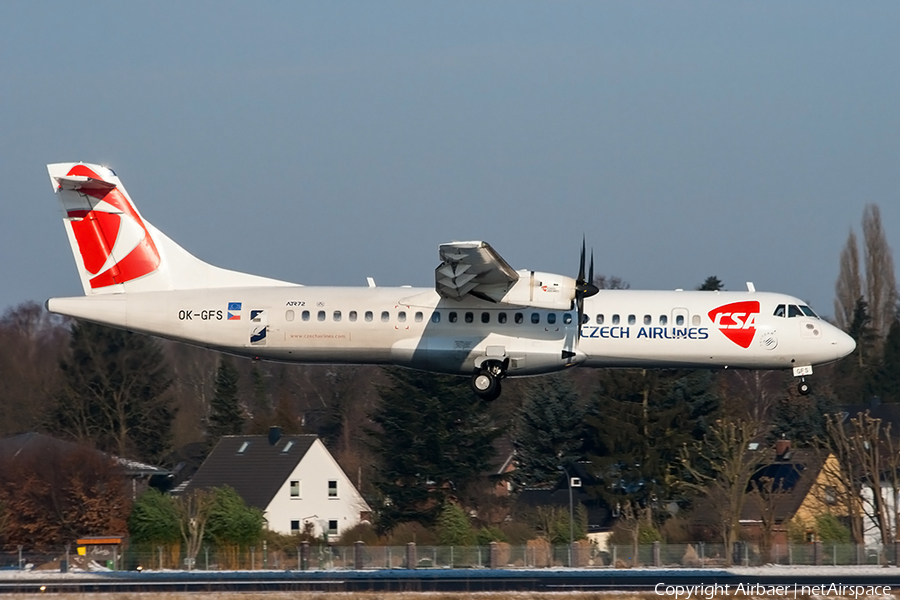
(591, 270)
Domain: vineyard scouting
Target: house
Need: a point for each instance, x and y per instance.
(140, 475)
(796, 486)
(293, 479)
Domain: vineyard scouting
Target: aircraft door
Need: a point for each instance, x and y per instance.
(680, 317)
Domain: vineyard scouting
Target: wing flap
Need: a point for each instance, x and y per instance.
(473, 268)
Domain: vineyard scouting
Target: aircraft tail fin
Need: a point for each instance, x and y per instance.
(116, 250)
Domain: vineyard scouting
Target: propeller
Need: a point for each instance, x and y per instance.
(584, 288)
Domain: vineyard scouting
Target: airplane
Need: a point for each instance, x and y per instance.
(482, 318)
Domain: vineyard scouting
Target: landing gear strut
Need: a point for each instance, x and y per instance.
(486, 379)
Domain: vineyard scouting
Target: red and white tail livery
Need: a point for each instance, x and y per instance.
(481, 318)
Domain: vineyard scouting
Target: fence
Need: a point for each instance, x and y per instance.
(535, 554)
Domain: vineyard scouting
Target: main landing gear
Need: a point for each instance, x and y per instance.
(485, 380)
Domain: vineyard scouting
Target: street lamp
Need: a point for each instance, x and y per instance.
(570, 483)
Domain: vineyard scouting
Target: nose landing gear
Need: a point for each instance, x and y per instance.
(801, 372)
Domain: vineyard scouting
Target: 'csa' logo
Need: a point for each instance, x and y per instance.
(112, 229)
(737, 321)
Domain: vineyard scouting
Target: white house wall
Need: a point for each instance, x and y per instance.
(314, 472)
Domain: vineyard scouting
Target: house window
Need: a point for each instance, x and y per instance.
(243, 447)
(830, 495)
(295, 488)
(332, 489)
(332, 527)
(295, 526)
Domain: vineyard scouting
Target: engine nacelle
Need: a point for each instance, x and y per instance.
(542, 290)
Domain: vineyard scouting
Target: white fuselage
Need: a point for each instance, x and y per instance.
(417, 328)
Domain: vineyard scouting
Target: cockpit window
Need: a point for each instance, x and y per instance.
(808, 311)
(779, 310)
(794, 311)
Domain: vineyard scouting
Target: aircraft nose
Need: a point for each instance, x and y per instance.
(843, 344)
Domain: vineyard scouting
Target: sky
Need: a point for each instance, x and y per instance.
(324, 142)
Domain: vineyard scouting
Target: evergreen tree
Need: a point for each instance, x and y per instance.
(888, 377)
(434, 440)
(547, 430)
(154, 520)
(711, 284)
(231, 521)
(636, 427)
(453, 527)
(225, 414)
(114, 394)
(854, 376)
(801, 419)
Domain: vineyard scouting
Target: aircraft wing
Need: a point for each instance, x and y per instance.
(474, 269)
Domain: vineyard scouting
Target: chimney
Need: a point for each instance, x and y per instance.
(782, 447)
(274, 434)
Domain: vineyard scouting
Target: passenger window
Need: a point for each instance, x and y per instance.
(663, 319)
(435, 317)
(585, 319)
(793, 311)
(369, 316)
(418, 317)
(567, 318)
(551, 318)
(352, 315)
(535, 318)
(695, 320)
(648, 319)
(519, 318)
(679, 320)
(631, 319)
(289, 315)
(321, 315)
(599, 319)
(305, 315)
(501, 318)
(615, 319)
(485, 317)
(779, 310)
(470, 317)
(401, 316)
(452, 317)
(337, 315)
(385, 316)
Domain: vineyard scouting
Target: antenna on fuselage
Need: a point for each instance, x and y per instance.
(750, 287)
(371, 281)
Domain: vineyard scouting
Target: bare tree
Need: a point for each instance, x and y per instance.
(193, 511)
(881, 285)
(848, 288)
(722, 466)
